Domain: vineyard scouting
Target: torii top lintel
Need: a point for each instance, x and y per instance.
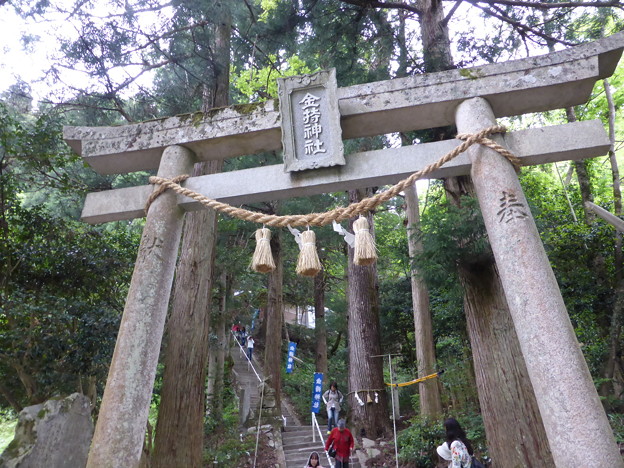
(552, 81)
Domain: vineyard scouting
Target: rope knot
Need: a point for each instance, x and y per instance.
(481, 138)
(163, 185)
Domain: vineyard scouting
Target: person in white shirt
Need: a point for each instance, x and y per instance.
(332, 399)
(250, 346)
(457, 448)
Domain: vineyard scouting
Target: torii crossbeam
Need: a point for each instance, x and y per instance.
(575, 423)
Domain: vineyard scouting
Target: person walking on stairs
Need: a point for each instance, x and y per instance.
(342, 441)
(332, 399)
(250, 346)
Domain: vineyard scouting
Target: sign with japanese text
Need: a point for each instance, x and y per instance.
(317, 391)
(311, 133)
(290, 360)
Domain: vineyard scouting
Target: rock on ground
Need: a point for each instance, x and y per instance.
(54, 434)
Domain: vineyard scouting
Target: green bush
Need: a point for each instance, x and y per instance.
(418, 442)
(8, 421)
(224, 445)
(231, 453)
(617, 424)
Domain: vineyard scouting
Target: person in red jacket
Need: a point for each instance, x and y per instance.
(342, 440)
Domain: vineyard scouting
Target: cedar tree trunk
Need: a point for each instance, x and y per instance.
(365, 371)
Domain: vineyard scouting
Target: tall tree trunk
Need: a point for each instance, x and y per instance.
(274, 319)
(222, 345)
(180, 429)
(320, 328)
(28, 381)
(365, 371)
(615, 384)
(429, 390)
(504, 435)
(211, 376)
(181, 408)
(505, 392)
(582, 176)
(435, 36)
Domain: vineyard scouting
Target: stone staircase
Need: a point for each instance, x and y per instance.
(298, 444)
(249, 378)
(297, 440)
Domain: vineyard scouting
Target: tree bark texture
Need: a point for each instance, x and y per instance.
(365, 371)
(182, 397)
(211, 376)
(505, 393)
(429, 390)
(182, 403)
(274, 319)
(513, 424)
(220, 329)
(435, 36)
(320, 328)
(613, 366)
(582, 176)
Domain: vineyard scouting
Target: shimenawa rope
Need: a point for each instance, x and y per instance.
(341, 213)
(364, 248)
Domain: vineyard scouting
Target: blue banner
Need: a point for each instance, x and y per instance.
(290, 361)
(317, 391)
(253, 319)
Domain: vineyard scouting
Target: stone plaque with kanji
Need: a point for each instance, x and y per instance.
(311, 133)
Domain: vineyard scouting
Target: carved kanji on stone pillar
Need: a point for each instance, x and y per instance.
(311, 134)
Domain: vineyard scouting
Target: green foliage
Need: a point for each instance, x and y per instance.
(418, 442)
(451, 236)
(261, 83)
(61, 301)
(298, 386)
(397, 316)
(225, 446)
(8, 421)
(617, 424)
(268, 8)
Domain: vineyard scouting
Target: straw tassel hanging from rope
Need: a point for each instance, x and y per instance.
(308, 263)
(364, 251)
(262, 260)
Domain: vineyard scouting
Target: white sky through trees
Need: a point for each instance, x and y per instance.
(30, 47)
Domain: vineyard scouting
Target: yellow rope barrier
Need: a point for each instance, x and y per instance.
(342, 213)
(412, 382)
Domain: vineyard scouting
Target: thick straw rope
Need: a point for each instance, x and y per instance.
(344, 212)
(156, 193)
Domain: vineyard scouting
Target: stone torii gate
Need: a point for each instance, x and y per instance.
(576, 425)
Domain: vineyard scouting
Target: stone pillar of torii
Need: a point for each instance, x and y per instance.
(315, 117)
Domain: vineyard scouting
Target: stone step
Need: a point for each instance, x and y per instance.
(304, 444)
(297, 444)
(298, 429)
(294, 435)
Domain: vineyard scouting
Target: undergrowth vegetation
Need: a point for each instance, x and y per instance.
(8, 421)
